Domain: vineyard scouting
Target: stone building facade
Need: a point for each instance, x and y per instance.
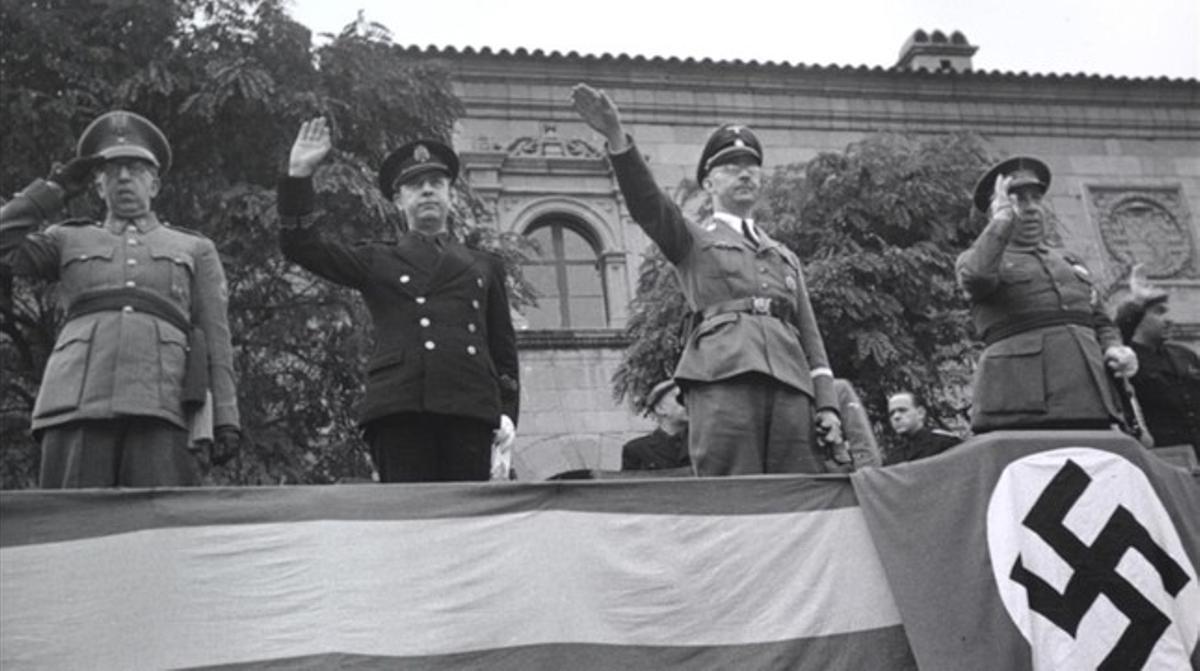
(1125, 154)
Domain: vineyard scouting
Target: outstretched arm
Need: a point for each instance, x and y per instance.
(600, 112)
(656, 213)
(302, 244)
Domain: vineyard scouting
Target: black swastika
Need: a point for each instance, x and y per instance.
(1095, 570)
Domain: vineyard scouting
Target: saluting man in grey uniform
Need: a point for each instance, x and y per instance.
(754, 369)
(146, 340)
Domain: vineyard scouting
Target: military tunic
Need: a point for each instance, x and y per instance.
(740, 347)
(121, 363)
(1044, 364)
(444, 340)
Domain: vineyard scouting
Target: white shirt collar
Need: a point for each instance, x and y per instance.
(734, 222)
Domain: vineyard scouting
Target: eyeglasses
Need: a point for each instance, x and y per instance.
(737, 168)
(136, 167)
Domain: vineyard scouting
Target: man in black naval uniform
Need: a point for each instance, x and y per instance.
(442, 383)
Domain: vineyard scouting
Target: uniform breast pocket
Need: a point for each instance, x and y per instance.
(82, 267)
(1016, 274)
(67, 370)
(175, 268)
(720, 260)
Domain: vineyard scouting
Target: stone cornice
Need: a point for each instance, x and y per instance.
(672, 91)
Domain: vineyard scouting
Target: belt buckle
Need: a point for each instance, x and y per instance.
(761, 305)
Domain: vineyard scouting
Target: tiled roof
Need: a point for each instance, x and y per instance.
(435, 51)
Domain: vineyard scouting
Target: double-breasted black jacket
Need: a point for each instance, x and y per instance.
(444, 339)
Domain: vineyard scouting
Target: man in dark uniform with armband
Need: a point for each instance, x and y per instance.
(754, 370)
(144, 359)
(442, 383)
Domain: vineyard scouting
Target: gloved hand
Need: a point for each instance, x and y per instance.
(1121, 360)
(505, 434)
(227, 444)
(75, 175)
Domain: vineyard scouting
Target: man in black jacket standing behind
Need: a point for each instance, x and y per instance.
(442, 383)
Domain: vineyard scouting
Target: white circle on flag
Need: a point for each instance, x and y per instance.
(1113, 483)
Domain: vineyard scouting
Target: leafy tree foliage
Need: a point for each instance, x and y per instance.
(229, 82)
(878, 227)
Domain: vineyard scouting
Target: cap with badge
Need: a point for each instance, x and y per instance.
(1024, 171)
(726, 144)
(122, 134)
(414, 159)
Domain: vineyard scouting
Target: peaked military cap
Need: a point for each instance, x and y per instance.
(413, 159)
(122, 134)
(728, 142)
(1024, 170)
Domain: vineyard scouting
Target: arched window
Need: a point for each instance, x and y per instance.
(567, 275)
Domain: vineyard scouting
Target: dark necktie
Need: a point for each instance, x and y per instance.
(748, 231)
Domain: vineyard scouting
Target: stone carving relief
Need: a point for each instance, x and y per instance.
(1150, 226)
(551, 145)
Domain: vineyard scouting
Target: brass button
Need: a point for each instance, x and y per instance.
(479, 281)
(131, 262)
(471, 328)
(429, 344)
(420, 300)
(404, 279)
(475, 304)
(425, 322)
(133, 241)
(471, 350)
(127, 308)
(130, 283)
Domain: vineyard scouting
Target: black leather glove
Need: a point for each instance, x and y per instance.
(75, 175)
(227, 443)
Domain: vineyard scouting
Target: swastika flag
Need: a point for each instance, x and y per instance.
(1041, 550)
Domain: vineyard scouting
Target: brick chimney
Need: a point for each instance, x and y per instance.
(936, 52)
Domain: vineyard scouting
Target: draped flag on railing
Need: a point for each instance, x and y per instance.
(1041, 550)
(1012, 551)
(767, 573)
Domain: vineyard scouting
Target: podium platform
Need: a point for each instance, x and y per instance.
(886, 569)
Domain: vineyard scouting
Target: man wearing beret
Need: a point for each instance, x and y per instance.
(1048, 339)
(442, 383)
(145, 354)
(754, 369)
(1168, 379)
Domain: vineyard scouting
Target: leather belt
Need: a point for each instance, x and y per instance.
(759, 305)
(1036, 319)
(196, 380)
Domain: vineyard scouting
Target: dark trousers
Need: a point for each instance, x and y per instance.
(750, 424)
(121, 452)
(427, 447)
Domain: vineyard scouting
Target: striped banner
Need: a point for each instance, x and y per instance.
(745, 573)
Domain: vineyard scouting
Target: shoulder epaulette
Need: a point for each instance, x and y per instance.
(390, 242)
(943, 432)
(78, 221)
(188, 231)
